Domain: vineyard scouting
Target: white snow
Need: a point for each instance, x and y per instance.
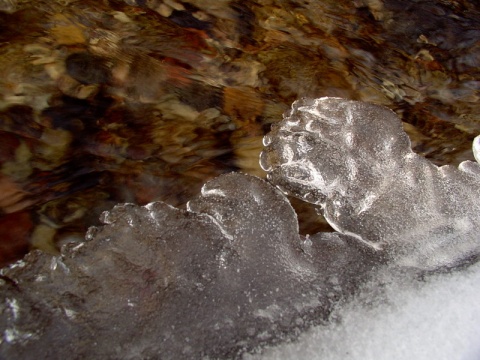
(437, 319)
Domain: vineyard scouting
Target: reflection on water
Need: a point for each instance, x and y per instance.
(115, 101)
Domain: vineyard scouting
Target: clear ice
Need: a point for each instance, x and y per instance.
(231, 274)
(354, 160)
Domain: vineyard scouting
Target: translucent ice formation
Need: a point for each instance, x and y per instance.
(227, 275)
(354, 160)
(231, 273)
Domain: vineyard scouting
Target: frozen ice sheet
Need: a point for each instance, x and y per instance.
(226, 276)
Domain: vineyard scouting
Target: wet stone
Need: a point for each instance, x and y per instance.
(86, 68)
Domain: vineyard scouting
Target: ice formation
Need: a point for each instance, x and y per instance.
(354, 159)
(227, 275)
(231, 273)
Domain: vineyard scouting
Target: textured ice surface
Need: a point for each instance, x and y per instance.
(354, 159)
(229, 274)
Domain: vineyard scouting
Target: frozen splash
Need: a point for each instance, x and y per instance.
(231, 274)
(354, 159)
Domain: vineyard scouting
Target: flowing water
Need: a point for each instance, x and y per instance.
(137, 101)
